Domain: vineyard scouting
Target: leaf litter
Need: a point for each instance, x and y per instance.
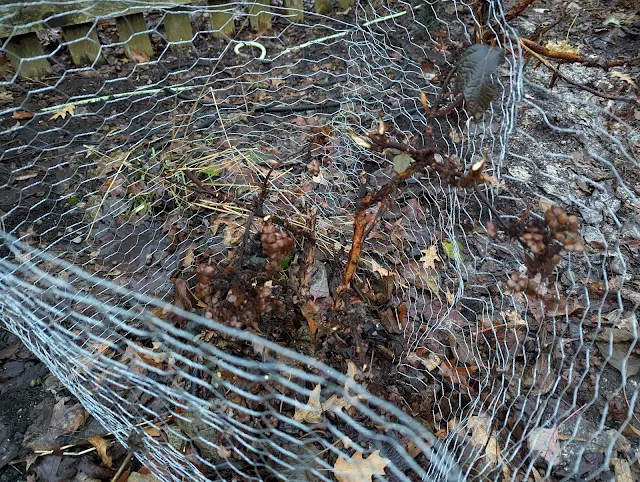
(429, 273)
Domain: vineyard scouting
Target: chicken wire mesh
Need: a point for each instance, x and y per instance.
(148, 196)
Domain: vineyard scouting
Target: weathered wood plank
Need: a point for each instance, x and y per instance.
(26, 16)
(260, 15)
(132, 31)
(221, 18)
(177, 25)
(21, 50)
(82, 42)
(294, 10)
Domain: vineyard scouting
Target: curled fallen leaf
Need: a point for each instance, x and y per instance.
(359, 140)
(101, 446)
(21, 114)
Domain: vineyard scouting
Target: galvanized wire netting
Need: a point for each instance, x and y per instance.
(126, 179)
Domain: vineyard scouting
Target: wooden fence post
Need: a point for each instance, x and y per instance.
(132, 31)
(324, 7)
(260, 15)
(83, 43)
(294, 10)
(177, 25)
(222, 18)
(21, 50)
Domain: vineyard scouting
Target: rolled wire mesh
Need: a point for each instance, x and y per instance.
(100, 205)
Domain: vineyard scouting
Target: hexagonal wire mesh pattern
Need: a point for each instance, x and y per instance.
(148, 142)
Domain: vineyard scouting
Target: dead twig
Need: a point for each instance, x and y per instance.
(586, 88)
(257, 208)
(536, 36)
(443, 87)
(571, 57)
(207, 190)
(424, 158)
(518, 9)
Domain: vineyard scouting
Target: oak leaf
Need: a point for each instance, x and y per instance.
(312, 411)
(62, 113)
(429, 257)
(358, 469)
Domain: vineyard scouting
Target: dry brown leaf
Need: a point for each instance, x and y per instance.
(376, 267)
(544, 205)
(450, 296)
(429, 257)
(67, 419)
(455, 136)
(335, 403)
(223, 452)
(413, 450)
(427, 66)
(189, 256)
(545, 442)
(4, 95)
(233, 234)
(562, 46)
(26, 175)
(633, 431)
(312, 411)
(138, 57)
(140, 477)
(480, 429)
(352, 372)
(425, 102)
(415, 273)
(311, 313)
(536, 475)
(21, 114)
(133, 360)
(360, 141)
(622, 470)
(152, 357)
(459, 375)
(358, 469)
(101, 446)
(624, 77)
(62, 113)
(515, 318)
(430, 363)
(152, 431)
